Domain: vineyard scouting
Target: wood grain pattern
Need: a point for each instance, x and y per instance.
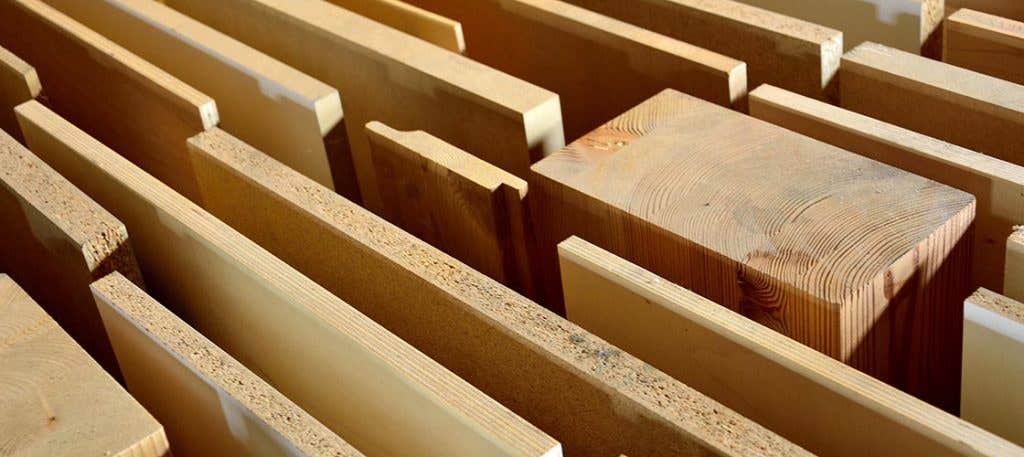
(19, 83)
(840, 412)
(1010, 9)
(417, 22)
(54, 399)
(592, 397)
(986, 44)
(1013, 278)
(834, 250)
(354, 376)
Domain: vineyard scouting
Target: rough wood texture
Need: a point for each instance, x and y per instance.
(1010, 9)
(458, 203)
(55, 399)
(260, 100)
(364, 383)
(594, 398)
(388, 76)
(998, 186)
(598, 66)
(778, 49)
(210, 403)
(1013, 278)
(960, 106)
(986, 44)
(54, 241)
(993, 364)
(19, 83)
(857, 259)
(840, 412)
(417, 22)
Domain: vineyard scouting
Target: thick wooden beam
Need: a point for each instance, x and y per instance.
(1010, 9)
(367, 385)
(1013, 277)
(937, 99)
(58, 401)
(998, 186)
(417, 22)
(388, 76)
(211, 404)
(19, 83)
(985, 43)
(592, 397)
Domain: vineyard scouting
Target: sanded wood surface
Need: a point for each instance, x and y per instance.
(55, 399)
(953, 104)
(417, 22)
(985, 43)
(1013, 285)
(19, 83)
(834, 250)
(997, 185)
(593, 398)
(839, 412)
(1010, 9)
(388, 76)
(354, 376)
(784, 51)
(209, 403)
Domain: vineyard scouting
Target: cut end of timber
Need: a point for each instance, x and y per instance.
(1003, 306)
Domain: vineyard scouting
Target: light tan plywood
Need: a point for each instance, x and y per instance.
(19, 83)
(1013, 278)
(417, 22)
(1010, 9)
(986, 44)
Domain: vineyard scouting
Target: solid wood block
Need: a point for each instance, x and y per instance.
(840, 411)
(354, 376)
(1013, 278)
(453, 200)
(592, 397)
(985, 43)
(54, 241)
(781, 50)
(993, 364)
(1010, 9)
(272, 106)
(388, 76)
(998, 186)
(417, 22)
(854, 258)
(578, 54)
(19, 83)
(210, 403)
(937, 99)
(55, 399)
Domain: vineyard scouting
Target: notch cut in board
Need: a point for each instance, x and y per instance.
(56, 400)
(986, 44)
(998, 186)
(19, 83)
(841, 411)
(353, 376)
(598, 66)
(211, 404)
(388, 76)
(536, 363)
(1010, 9)
(270, 105)
(1013, 278)
(417, 22)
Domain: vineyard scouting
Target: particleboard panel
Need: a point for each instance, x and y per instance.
(993, 367)
(270, 105)
(1013, 285)
(55, 399)
(592, 397)
(937, 99)
(388, 76)
(354, 376)
(840, 412)
(998, 186)
(780, 50)
(210, 403)
(417, 22)
(827, 247)
(1010, 9)
(122, 100)
(54, 241)
(986, 44)
(598, 66)
(19, 83)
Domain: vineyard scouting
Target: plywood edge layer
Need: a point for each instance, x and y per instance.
(983, 25)
(13, 67)
(410, 19)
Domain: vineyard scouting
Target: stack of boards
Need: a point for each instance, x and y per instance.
(511, 227)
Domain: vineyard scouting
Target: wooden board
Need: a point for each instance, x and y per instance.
(417, 22)
(998, 186)
(986, 44)
(210, 403)
(962, 107)
(1014, 273)
(19, 83)
(993, 366)
(598, 66)
(592, 397)
(55, 399)
(455, 201)
(1010, 9)
(832, 249)
(260, 100)
(388, 76)
(787, 52)
(54, 241)
(364, 383)
(754, 370)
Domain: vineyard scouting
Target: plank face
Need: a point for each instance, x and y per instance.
(1014, 272)
(986, 44)
(820, 244)
(840, 411)
(19, 83)
(417, 22)
(1010, 9)
(58, 401)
